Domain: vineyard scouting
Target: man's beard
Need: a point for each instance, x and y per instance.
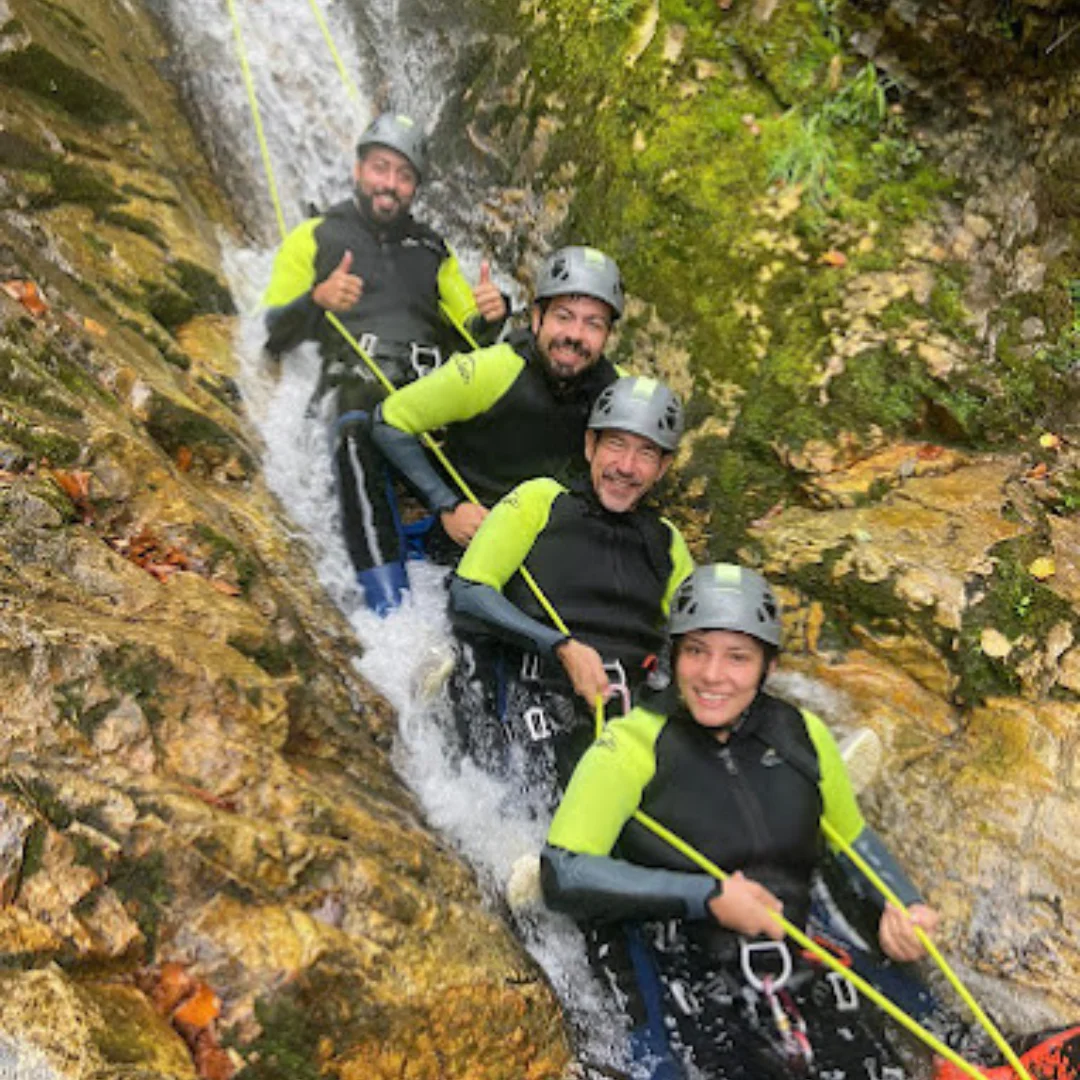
(366, 205)
(556, 370)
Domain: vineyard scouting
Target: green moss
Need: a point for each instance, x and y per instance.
(135, 671)
(288, 1048)
(142, 884)
(297, 1021)
(170, 306)
(134, 223)
(62, 86)
(173, 426)
(40, 442)
(223, 553)
(33, 849)
(209, 295)
(47, 802)
(1016, 605)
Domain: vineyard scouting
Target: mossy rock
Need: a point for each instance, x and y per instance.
(62, 86)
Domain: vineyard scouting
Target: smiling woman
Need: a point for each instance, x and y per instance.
(751, 783)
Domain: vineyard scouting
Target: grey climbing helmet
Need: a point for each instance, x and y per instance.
(642, 406)
(582, 271)
(400, 133)
(723, 596)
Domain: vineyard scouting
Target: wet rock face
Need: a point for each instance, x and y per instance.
(195, 796)
(944, 615)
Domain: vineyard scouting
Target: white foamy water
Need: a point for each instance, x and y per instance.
(481, 816)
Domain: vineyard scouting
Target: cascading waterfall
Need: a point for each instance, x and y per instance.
(311, 127)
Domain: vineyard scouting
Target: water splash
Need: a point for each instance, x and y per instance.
(400, 655)
(310, 120)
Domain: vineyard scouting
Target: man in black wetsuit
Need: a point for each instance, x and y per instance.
(518, 409)
(606, 561)
(397, 288)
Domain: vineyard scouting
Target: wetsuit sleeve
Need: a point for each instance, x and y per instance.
(682, 565)
(494, 555)
(843, 814)
(292, 315)
(503, 542)
(481, 608)
(602, 889)
(407, 455)
(465, 386)
(578, 874)
(459, 303)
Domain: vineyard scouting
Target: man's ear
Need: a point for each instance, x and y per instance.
(665, 464)
(356, 171)
(536, 318)
(591, 438)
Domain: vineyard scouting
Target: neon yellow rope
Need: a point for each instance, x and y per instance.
(987, 1024)
(819, 953)
(327, 37)
(249, 83)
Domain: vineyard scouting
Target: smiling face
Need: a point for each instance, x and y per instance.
(624, 467)
(718, 673)
(571, 332)
(385, 184)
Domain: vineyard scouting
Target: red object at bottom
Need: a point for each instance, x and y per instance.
(1054, 1057)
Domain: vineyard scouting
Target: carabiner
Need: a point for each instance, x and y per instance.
(746, 948)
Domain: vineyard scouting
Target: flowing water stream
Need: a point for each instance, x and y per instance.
(311, 124)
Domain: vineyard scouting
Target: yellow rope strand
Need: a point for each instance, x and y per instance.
(987, 1024)
(338, 63)
(264, 149)
(821, 954)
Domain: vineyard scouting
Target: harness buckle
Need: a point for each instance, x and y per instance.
(424, 358)
(847, 997)
(530, 667)
(619, 685)
(536, 720)
(747, 949)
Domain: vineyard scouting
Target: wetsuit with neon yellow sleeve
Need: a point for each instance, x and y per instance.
(507, 420)
(610, 576)
(754, 803)
(410, 277)
(407, 269)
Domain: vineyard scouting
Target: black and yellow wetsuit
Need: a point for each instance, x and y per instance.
(609, 576)
(507, 420)
(409, 276)
(754, 803)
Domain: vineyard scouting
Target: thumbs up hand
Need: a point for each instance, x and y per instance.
(341, 289)
(490, 302)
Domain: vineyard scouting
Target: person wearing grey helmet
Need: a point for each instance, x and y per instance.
(516, 410)
(748, 781)
(396, 287)
(604, 559)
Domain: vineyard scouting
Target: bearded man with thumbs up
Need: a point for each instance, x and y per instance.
(397, 288)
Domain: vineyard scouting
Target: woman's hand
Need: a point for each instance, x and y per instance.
(744, 905)
(896, 931)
